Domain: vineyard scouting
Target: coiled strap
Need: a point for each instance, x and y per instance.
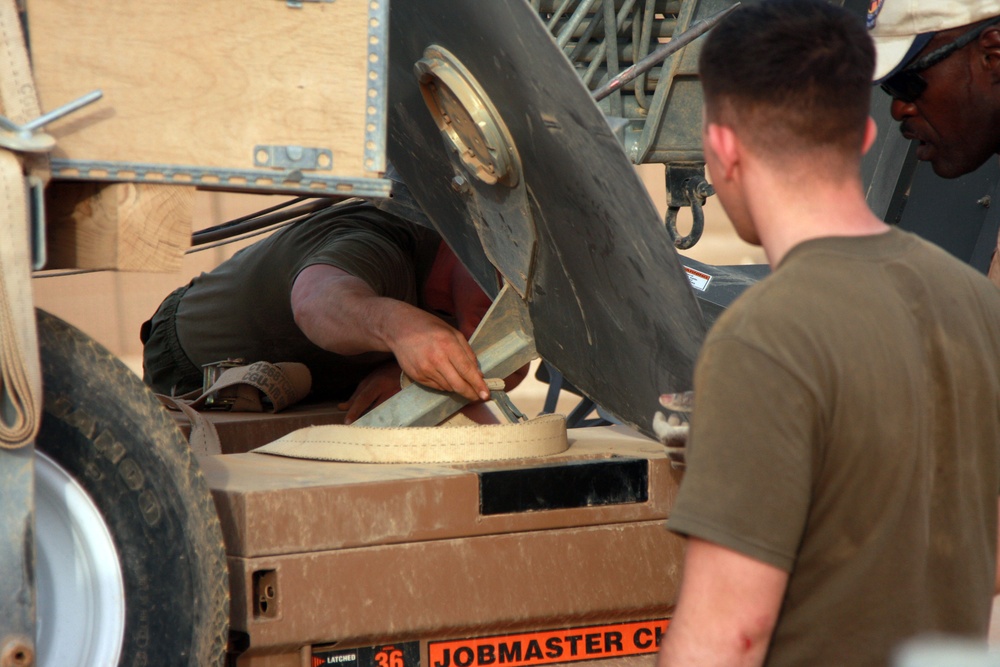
(541, 436)
(20, 374)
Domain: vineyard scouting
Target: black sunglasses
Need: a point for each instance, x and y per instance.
(907, 85)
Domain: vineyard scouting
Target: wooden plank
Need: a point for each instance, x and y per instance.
(189, 82)
(123, 226)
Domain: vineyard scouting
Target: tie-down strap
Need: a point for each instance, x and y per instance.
(541, 436)
(244, 388)
(20, 373)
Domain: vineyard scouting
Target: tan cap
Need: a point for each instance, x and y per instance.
(896, 24)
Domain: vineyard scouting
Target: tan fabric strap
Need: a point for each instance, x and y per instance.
(203, 438)
(20, 373)
(283, 384)
(541, 436)
(17, 86)
(286, 383)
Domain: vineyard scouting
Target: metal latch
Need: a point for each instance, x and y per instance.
(293, 157)
(500, 397)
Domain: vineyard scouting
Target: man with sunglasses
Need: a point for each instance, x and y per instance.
(940, 62)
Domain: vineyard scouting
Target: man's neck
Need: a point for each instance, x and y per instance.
(786, 215)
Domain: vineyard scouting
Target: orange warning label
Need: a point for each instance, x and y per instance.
(699, 279)
(550, 647)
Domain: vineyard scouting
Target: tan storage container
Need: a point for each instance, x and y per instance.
(326, 558)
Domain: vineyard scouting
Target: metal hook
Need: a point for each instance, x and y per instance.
(696, 190)
(697, 227)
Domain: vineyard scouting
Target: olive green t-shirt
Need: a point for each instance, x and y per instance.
(243, 307)
(847, 430)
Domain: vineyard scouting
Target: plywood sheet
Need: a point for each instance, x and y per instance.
(202, 84)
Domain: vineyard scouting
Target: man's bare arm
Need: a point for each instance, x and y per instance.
(341, 313)
(727, 609)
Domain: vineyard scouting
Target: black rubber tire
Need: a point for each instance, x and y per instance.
(104, 427)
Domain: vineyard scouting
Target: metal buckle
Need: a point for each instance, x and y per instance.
(210, 375)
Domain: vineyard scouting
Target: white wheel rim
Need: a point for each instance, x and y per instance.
(79, 588)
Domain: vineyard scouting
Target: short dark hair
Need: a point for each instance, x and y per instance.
(795, 74)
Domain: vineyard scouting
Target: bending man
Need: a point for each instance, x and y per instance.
(353, 292)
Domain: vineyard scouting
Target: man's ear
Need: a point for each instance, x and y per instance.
(726, 146)
(989, 42)
(871, 131)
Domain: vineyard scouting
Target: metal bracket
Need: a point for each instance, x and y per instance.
(36, 217)
(293, 157)
(294, 180)
(377, 93)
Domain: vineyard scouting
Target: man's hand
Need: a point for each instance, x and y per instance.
(673, 429)
(343, 314)
(371, 392)
(436, 355)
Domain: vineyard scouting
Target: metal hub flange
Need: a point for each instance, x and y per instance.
(467, 119)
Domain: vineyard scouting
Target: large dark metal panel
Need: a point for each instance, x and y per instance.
(887, 167)
(951, 212)
(986, 244)
(609, 301)
(724, 284)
